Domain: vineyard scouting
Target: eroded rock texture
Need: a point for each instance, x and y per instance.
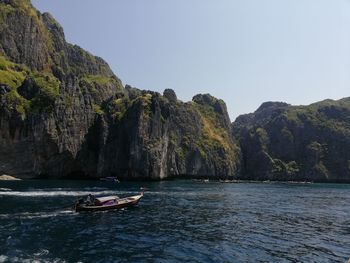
(63, 113)
(283, 142)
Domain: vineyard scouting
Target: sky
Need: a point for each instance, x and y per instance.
(245, 52)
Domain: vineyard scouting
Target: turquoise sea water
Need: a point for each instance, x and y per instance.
(176, 221)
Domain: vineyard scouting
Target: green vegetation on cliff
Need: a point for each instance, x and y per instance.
(214, 134)
(283, 142)
(327, 114)
(15, 102)
(21, 12)
(17, 76)
(47, 92)
(12, 74)
(36, 66)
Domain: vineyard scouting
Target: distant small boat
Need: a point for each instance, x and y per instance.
(107, 203)
(227, 181)
(110, 179)
(201, 180)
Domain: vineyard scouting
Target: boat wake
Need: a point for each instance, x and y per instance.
(36, 215)
(56, 193)
(41, 256)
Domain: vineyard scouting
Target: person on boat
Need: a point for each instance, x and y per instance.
(90, 199)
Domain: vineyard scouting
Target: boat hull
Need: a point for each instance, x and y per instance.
(120, 203)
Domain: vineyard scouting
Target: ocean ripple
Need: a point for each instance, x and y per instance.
(178, 221)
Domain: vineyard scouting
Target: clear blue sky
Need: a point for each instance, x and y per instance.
(243, 51)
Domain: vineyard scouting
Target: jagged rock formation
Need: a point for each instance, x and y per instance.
(63, 113)
(283, 142)
(144, 134)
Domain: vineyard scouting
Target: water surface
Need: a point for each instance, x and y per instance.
(176, 221)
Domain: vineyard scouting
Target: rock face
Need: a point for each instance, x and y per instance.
(283, 142)
(63, 113)
(142, 134)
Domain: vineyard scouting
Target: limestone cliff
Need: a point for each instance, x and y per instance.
(63, 113)
(149, 135)
(299, 143)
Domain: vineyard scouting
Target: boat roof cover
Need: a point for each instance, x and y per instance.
(107, 198)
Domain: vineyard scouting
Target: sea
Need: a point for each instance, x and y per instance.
(176, 221)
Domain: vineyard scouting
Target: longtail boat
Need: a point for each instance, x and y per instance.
(108, 203)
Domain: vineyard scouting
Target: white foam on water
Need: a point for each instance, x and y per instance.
(3, 258)
(41, 193)
(72, 189)
(5, 189)
(42, 252)
(172, 193)
(35, 215)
